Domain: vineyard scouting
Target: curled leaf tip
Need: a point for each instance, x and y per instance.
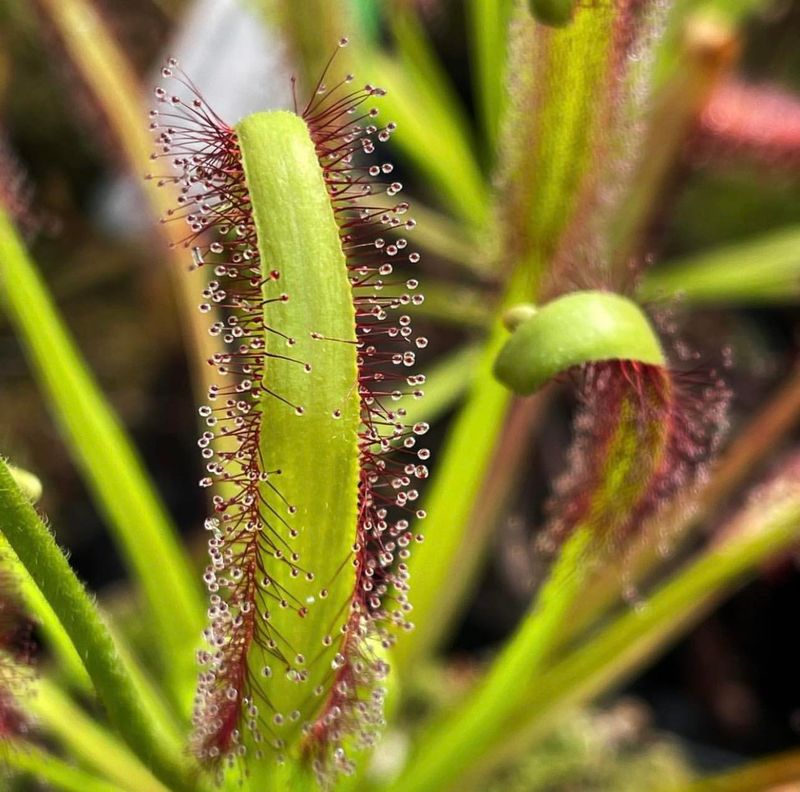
(573, 330)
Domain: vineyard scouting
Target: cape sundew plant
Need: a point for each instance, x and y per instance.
(599, 416)
(313, 505)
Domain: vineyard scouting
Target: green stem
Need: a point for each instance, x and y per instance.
(37, 551)
(436, 594)
(467, 731)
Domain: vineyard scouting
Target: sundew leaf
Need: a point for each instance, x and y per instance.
(572, 135)
(638, 442)
(313, 497)
(37, 551)
(557, 86)
(573, 330)
(113, 471)
(289, 198)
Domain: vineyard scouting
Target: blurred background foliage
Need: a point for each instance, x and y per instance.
(729, 689)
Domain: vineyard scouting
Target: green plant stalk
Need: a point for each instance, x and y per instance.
(754, 271)
(638, 634)
(466, 732)
(88, 741)
(68, 660)
(29, 760)
(436, 594)
(36, 549)
(298, 235)
(113, 471)
(628, 461)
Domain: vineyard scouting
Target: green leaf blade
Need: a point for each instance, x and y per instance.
(317, 451)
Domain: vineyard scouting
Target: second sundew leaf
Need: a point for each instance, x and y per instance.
(640, 439)
(557, 79)
(315, 494)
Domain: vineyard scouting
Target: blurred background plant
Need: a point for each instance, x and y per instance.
(648, 147)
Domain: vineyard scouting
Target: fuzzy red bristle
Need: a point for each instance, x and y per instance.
(248, 522)
(686, 409)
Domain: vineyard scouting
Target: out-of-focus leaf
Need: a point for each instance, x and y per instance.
(29, 760)
(467, 731)
(114, 86)
(453, 304)
(433, 132)
(445, 383)
(113, 471)
(488, 32)
(762, 270)
(707, 47)
(444, 565)
(86, 739)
